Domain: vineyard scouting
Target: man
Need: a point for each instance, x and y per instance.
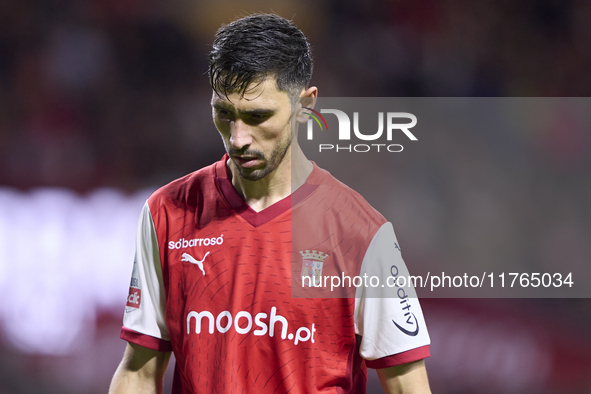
(219, 258)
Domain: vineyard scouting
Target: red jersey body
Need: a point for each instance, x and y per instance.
(221, 286)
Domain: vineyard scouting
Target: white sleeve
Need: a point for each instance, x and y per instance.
(388, 317)
(144, 311)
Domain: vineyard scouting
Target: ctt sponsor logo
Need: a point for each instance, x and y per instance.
(394, 122)
(134, 298)
(189, 243)
(243, 323)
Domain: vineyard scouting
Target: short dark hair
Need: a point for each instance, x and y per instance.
(254, 47)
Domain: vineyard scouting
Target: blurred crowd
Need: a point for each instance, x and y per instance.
(115, 93)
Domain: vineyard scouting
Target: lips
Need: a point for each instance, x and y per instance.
(246, 161)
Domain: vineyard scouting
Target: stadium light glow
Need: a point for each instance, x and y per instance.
(62, 257)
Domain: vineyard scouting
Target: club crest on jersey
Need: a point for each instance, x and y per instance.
(312, 267)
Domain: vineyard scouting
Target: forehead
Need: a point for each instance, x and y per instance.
(259, 94)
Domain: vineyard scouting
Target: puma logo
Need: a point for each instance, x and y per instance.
(190, 259)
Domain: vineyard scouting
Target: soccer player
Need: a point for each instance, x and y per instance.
(219, 260)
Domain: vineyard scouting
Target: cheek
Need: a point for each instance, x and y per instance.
(221, 125)
(223, 128)
(273, 132)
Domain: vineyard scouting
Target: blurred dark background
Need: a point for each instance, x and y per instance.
(103, 101)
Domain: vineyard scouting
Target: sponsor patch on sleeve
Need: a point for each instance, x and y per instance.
(134, 298)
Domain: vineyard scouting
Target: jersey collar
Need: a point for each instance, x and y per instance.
(253, 217)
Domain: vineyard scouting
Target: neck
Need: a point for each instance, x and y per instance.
(289, 175)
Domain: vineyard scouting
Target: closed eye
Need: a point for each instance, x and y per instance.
(259, 117)
(223, 114)
(256, 117)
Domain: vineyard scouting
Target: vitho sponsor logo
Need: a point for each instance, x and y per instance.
(189, 243)
(410, 326)
(395, 122)
(243, 323)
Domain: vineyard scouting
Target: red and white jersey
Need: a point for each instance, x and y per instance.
(221, 286)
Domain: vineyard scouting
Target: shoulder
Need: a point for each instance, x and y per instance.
(336, 196)
(185, 192)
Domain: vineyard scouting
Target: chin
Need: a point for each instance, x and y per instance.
(253, 175)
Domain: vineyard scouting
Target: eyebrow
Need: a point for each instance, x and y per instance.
(261, 111)
(257, 111)
(221, 105)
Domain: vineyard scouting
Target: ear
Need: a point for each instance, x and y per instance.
(307, 99)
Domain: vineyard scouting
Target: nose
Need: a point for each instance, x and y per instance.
(240, 136)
